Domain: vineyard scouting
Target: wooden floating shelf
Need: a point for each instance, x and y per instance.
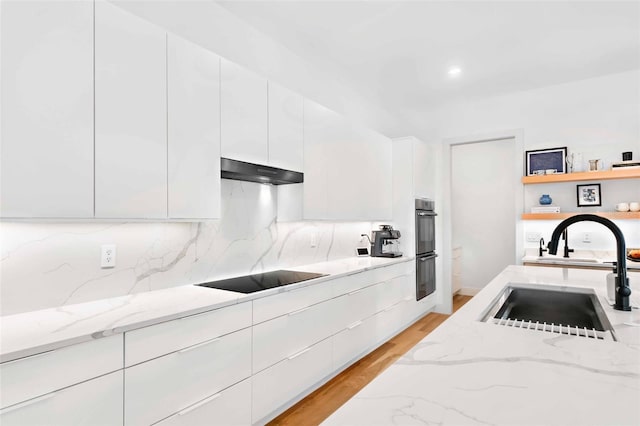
(621, 173)
(561, 216)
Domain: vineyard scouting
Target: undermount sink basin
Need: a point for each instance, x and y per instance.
(562, 310)
(569, 259)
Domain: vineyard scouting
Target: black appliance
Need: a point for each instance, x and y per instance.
(384, 242)
(240, 170)
(425, 247)
(257, 282)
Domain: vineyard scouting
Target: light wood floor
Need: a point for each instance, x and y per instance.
(323, 402)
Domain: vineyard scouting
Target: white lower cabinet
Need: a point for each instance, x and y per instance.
(30, 377)
(92, 403)
(287, 335)
(392, 320)
(290, 380)
(166, 385)
(354, 341)
(229, 407)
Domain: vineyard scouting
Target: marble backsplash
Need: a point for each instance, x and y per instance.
(47, 265)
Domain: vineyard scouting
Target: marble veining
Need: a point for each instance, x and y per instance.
(45, 265)
(468, 372)
(29, 333)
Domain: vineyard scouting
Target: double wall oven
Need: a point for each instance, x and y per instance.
(425, 247)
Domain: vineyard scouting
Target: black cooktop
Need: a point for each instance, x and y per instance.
(257, 282)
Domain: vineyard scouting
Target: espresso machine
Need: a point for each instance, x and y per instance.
(385, 242)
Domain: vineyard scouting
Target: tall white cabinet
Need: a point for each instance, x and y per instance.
(194, 130)
(286, 133)
(347, 168)
(244, 114)
(46, 141)
(130, 114)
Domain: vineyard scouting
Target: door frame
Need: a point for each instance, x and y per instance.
(445, 305)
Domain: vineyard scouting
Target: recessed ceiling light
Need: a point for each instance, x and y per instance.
(454, 71)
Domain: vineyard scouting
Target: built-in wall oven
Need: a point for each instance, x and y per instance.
(425, 247)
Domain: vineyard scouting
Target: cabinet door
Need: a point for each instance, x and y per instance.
(46, 161)
(244, 114)
(285, 128)
(194, 130)
(163, 386)
(280, 386)
(320, 125)
(130, 115)
(93, 403)
(230, 407)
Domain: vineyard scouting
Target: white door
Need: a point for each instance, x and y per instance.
(483, 209)
(194, 130)
(130, 115)
(285, 128)
(47, 109)
(244, 114)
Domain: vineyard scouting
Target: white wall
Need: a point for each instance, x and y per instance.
(598, 117)
(54, 264)
(215, 28)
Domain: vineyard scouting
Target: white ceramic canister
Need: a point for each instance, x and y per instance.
(635, 206)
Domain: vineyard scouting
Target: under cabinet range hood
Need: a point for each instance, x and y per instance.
(239, 170)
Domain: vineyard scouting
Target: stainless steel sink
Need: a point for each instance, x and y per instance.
(561, 310)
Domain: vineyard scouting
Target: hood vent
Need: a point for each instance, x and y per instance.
(239, 170)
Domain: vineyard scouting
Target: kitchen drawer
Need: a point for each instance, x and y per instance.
(230, 407)
(160, 339)
(163, 386)
(92, 403)
(36, 375)
(359, 304)
(393, 320)
(387, 273)
(350, 283)
(281, 337)
(353, 342)
(283, 303)
(278, 387)
(397, 289)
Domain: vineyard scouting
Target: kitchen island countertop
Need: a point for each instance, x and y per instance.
(468, 372)
(35, 332)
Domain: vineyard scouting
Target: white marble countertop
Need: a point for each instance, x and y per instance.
(34, 332)
(468, 372)
(588, 258)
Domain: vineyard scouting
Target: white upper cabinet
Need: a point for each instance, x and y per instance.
(46, 142)
(194, 130)
(347, 168)
(286, 135)
(130, 116)
(244, 114)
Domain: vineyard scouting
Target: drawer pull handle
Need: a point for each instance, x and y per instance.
(299, 311)
(199, 345)
(388, 308)
(356, 291)
(28, 357)
(28, 403)
(294, 356)
(199, 404)
(354, 325)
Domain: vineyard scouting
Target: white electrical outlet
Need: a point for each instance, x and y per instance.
(313, 240)
(108, 259)
(533, 237)
(586, 237)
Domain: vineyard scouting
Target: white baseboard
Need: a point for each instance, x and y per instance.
(468, 291)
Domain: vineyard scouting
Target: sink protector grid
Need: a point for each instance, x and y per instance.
(500, 312)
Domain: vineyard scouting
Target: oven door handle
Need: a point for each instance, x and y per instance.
(431, 256)
(427, 214)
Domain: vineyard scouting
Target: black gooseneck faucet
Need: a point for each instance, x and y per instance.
(622, 282)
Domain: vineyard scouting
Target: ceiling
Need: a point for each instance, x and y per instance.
(397, 53)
